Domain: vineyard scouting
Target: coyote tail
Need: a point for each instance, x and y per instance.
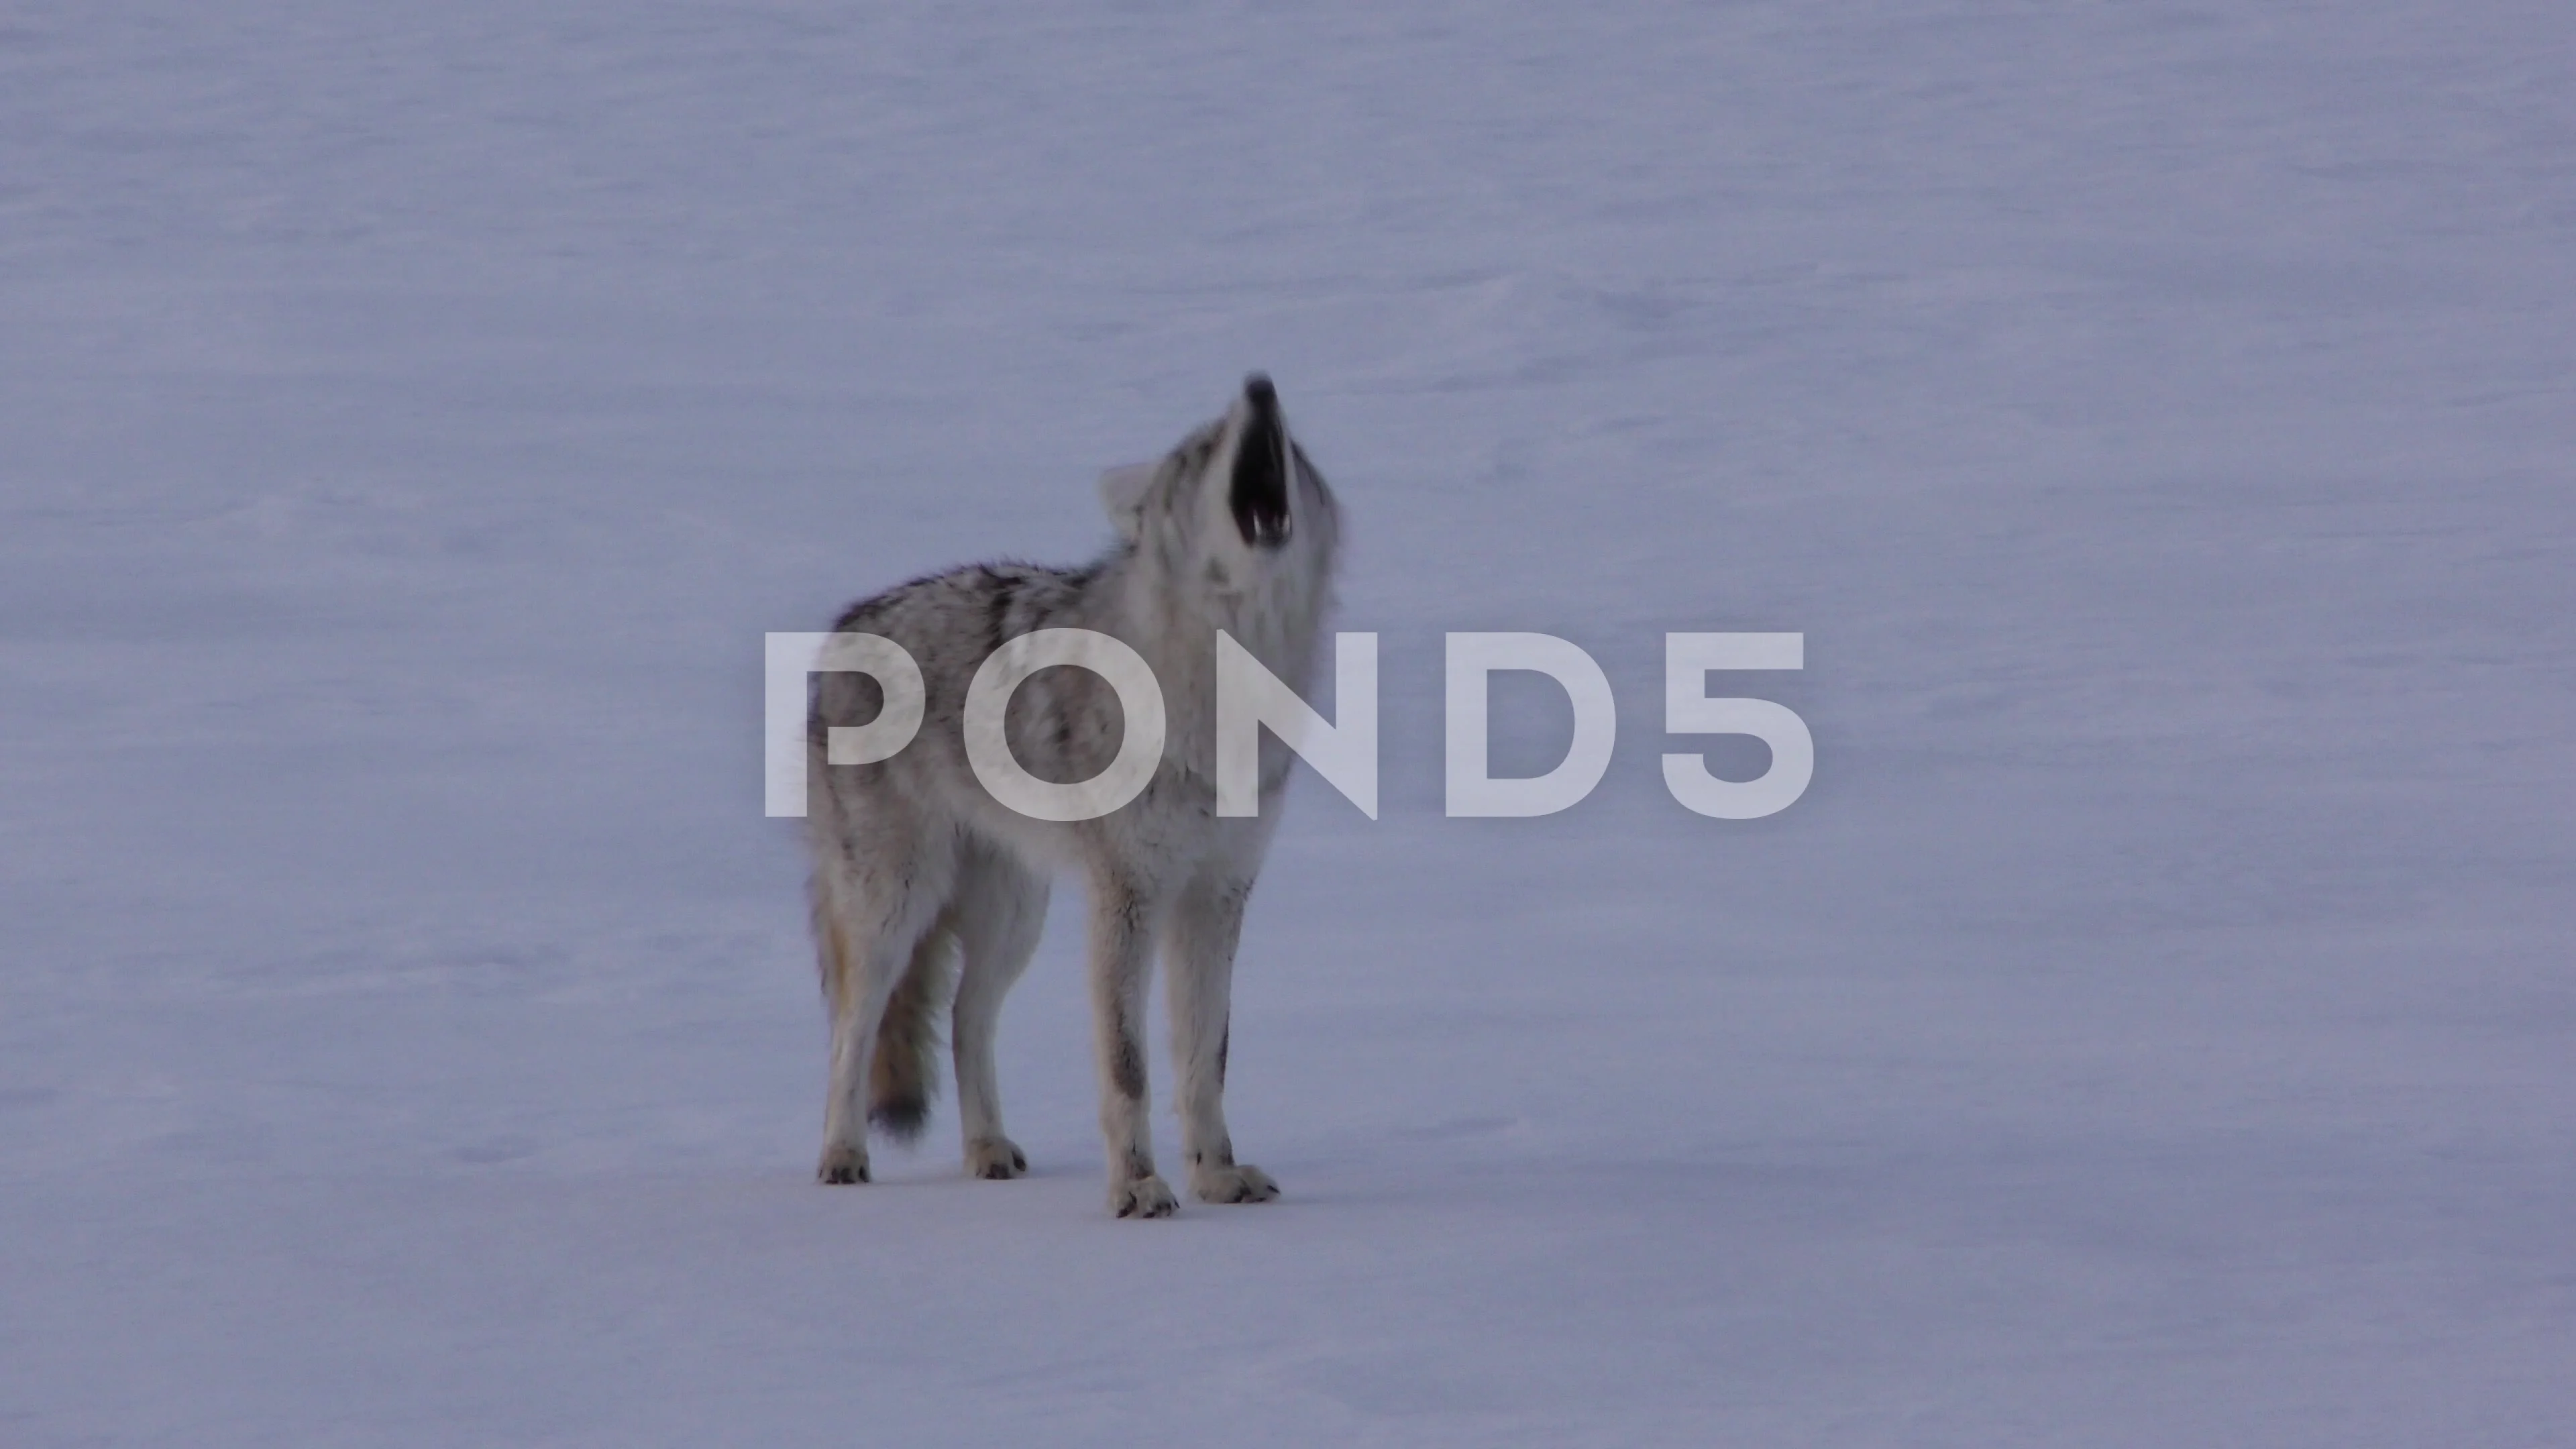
(904, 1073)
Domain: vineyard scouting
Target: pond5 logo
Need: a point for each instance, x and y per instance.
(1249, 699)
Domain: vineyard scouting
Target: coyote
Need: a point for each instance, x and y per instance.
(929, 893)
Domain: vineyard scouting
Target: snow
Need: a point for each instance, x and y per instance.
(2153, 1027)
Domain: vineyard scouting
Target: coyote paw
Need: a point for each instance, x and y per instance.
(1143, 1197)
(1240, 1182)
(997, 1158)
(841, 1164)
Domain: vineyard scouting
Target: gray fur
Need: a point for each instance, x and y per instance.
(912, 854)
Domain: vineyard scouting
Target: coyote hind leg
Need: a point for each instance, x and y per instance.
(866, 934)
(1000, 909)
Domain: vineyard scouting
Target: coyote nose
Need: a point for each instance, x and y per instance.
(1258, 391)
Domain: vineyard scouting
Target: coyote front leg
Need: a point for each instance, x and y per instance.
(1199, 955)
(1121, 956)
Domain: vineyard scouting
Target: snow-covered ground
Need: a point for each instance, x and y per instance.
(2154, 1027)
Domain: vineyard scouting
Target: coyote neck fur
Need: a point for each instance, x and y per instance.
(1170, 602)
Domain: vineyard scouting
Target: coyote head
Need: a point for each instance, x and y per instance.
(1235, 502)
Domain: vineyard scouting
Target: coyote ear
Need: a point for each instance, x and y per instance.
(1122, 492)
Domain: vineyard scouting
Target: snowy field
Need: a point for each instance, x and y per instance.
(2154, 1027)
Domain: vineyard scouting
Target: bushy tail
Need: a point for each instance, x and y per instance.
(903, 1075)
